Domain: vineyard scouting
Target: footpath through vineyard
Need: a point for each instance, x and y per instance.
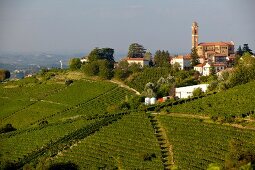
(125, 86)
(165, 146)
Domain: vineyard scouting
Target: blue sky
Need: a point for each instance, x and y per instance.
(74, 26)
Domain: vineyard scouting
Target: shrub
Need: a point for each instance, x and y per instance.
(7, 128)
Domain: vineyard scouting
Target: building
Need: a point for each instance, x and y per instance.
(213, 54)
(84, 59)
(141, 61)
(185, 92)
(205, 68)
(207, 50)
(183, 61)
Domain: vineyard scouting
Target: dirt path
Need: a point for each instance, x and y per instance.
(165, 146)
(125, 86)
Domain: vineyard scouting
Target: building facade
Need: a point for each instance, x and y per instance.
(141, 61)
(207, 50)
(183, 61)
(213, 54)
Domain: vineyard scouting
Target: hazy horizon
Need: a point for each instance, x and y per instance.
(62, 26)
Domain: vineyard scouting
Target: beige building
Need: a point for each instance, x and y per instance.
(141, 61)
(183, 61)
(207, 51)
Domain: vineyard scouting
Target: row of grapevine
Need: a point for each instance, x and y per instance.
(18, 98)
(58, 102)
(197, 144)
(14, 147)
(96, 107)
(128, 144)
(238, 101)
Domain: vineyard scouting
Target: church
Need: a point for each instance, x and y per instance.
(211, 54)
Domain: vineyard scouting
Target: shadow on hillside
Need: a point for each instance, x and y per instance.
(64, 166)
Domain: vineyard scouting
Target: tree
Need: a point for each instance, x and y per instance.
(101, 54)
(147, 56)
(74, 63)
(239, 51)
(197, 92)
(246, 49)
(194, 57)
(4, 74)
(91, 69)
(136, 51)
(105, 70)
(161, 58)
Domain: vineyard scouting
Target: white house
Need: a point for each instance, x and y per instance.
(84, 59)
(184, 61)
(141, 61)
(185, 92)
(205, 68)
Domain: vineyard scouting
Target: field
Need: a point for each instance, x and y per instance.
(196, 144)
(235, 102)
(60, 124)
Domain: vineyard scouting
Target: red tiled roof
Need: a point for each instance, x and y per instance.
(186, 57)
(214, 43)
(200, 65)
(219, 64)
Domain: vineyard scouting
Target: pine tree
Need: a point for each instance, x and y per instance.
(239, 51)
(246, 49)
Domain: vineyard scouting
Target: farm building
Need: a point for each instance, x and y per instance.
(185, 92)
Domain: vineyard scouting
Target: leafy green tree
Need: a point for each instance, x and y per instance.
(74, 63)
(194, 57)
(105, 70)
(4, 74)
(91, 69)
(101, 54)
(161, 58)
(147, 56)
(149, 90)
(122, 70)
(136, 51)
(197, 92)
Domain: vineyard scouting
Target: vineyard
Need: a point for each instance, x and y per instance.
(77, 123)
(128, 144)
(235, 102)
(197, 144)
(139, 80)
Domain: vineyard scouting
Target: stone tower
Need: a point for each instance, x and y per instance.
(194, 34)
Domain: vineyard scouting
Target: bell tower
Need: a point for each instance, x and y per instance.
(194, 34)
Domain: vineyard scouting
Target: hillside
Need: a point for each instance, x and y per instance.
(237, 102)
(74, 125)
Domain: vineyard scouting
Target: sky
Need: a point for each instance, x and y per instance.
(74, 26)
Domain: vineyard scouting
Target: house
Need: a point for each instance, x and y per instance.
(84, 59)
(185, 92)
(205, 68)
(183, 61)
(141, 61)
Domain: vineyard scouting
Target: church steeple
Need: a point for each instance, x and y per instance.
(194, 34)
